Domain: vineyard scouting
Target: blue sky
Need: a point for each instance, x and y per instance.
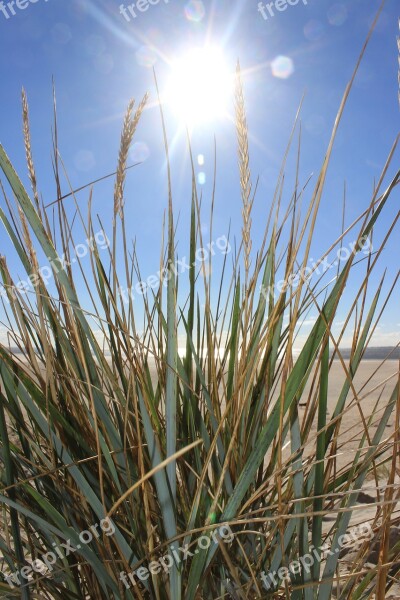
(99, 60)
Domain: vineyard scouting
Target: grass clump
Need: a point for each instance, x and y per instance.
(202, 473)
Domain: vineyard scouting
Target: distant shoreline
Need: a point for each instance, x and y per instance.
(378, 353)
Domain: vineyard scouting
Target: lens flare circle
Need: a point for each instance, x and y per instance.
(337, 14)
(146, 56)
(195, 11)
(282, 67)
(139, 152)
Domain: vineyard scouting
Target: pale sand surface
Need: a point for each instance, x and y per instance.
(373, 383)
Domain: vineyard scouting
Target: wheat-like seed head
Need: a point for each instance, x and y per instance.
(25, 230)
(28, 149)
(126, 140)
(245, 175)
(128, 131)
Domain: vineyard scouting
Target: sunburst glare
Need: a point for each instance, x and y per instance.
(200, 86)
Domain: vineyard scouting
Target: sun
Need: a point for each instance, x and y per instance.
(200, 86)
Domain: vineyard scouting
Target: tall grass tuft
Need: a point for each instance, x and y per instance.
(197, 475)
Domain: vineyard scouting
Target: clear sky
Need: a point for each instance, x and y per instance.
(101, 55)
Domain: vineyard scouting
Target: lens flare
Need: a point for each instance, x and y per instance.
(337, 14)
(282, 67)
(139, 152)
(146, 56)
(195, 11)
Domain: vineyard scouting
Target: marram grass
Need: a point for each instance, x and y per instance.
(174, 451)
